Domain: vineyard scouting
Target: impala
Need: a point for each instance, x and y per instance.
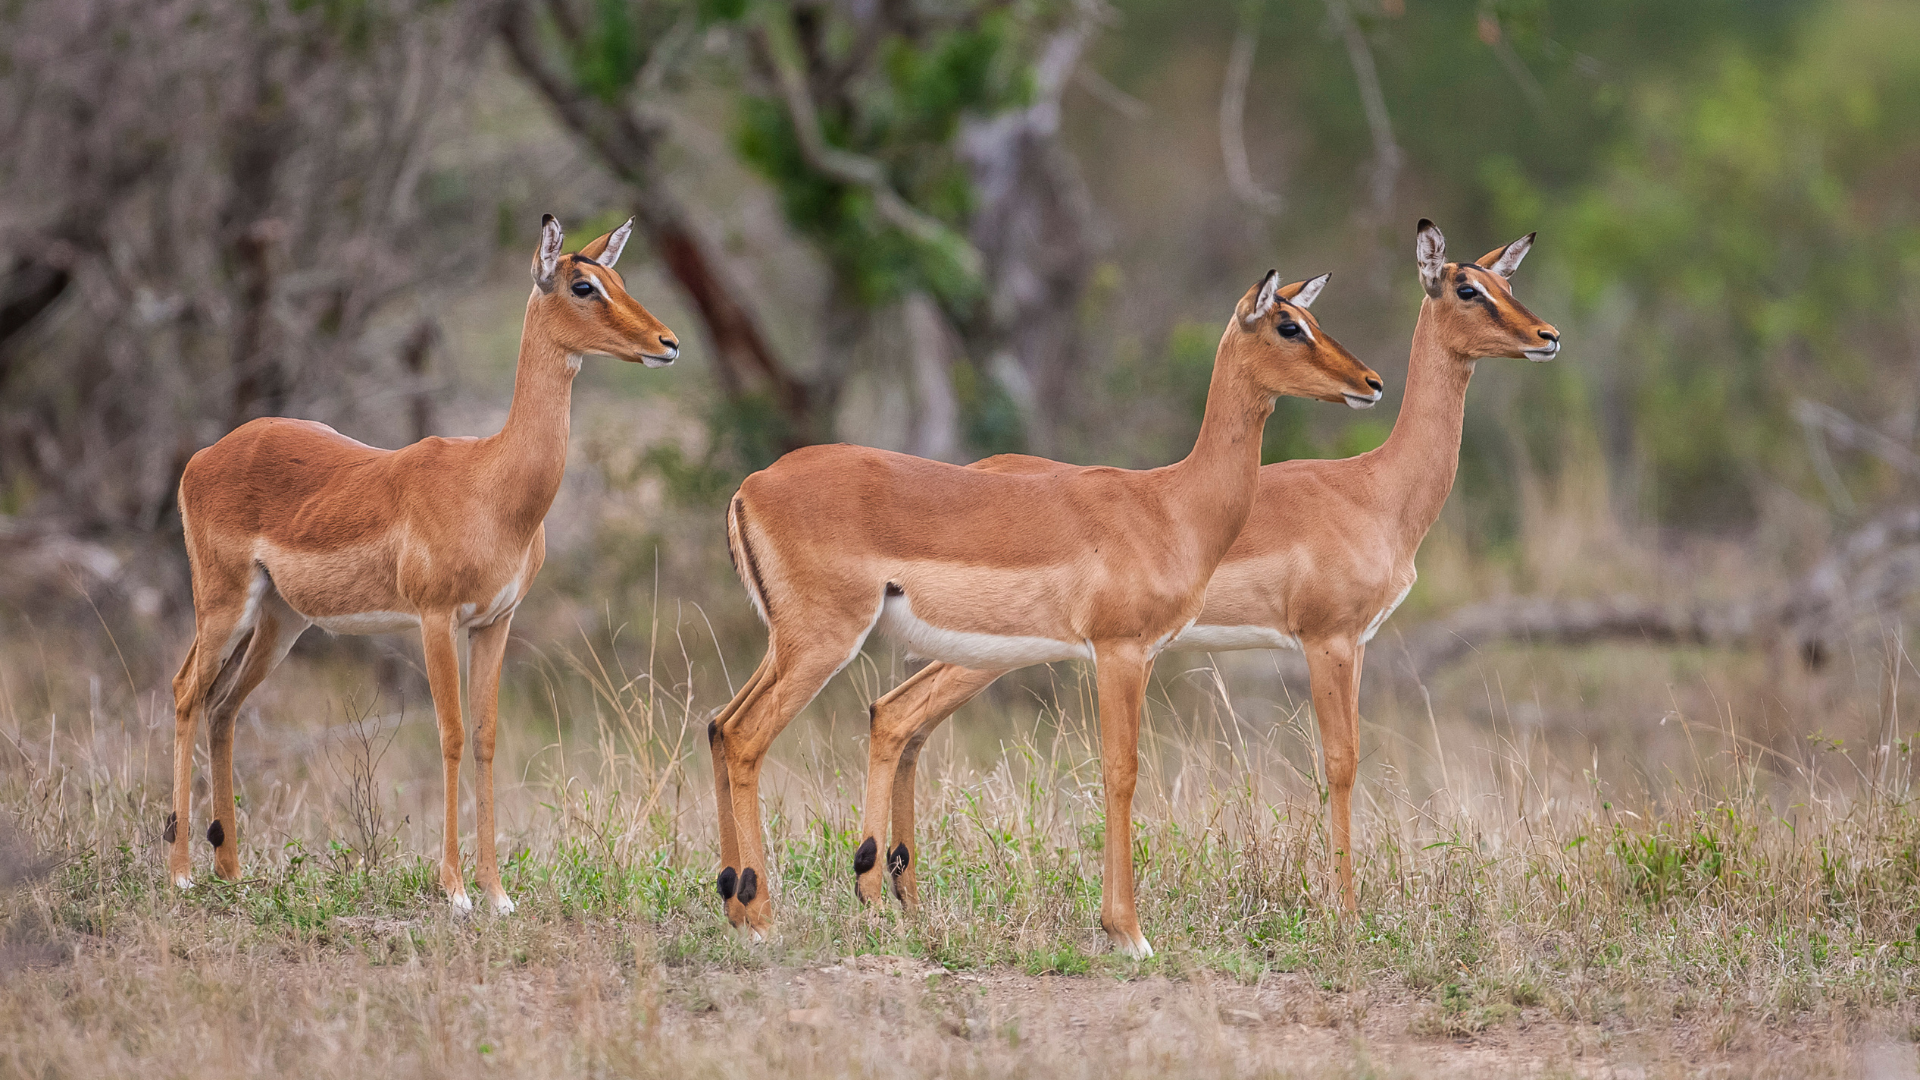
(994, 570)
(1325, 557)
(290, 524)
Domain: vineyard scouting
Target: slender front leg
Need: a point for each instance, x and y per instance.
(1334, 667)
(486, 651)
(443, 676)
(901, 723)
(1122, 675)
(188, 693)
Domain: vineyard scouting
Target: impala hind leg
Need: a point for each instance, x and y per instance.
(1334, 667)
(796, 673)
(219, 608)
(722, 789)
(902, 722)
(486, 652)
(1121, 671)
(276, 627)
(443, 678)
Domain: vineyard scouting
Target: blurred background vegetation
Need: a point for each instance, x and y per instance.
(957, 227)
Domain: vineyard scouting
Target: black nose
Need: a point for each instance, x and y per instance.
(1377, 385)
(1550, 335)
(669, 343)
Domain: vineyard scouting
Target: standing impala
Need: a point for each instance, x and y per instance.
(1001, 571)
(290, 524)
(1325, 557)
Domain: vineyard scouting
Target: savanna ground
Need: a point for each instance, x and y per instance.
(1670, 896)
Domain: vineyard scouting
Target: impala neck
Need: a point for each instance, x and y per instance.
(531, 449)
(1219, 478)
(1423, 453)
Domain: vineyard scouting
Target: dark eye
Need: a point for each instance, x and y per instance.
(1289, 329)
(583, 288)
(1466, 292)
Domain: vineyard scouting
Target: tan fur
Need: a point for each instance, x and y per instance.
(1328, 547)
(289, 523)
(1106, 563)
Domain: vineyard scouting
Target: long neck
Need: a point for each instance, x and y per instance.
(1217, 481)
(530, 452)
(1421, 456)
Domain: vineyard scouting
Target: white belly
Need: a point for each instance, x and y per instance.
(1232, 638)
(968, 648)
(1381, 619)
(368, 622)
(502, 603)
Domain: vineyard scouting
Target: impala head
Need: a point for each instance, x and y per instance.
(1474, 304)
(1291, 355)
(584, 304)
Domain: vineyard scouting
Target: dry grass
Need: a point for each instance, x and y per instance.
(1736, 908)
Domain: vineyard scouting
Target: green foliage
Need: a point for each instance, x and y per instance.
(902, 112)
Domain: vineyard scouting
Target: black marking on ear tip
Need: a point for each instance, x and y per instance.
(172, 831)
(868, 854)
(546, 220)
(727, 878)
(749, 886)
(1424, 225)
(899, 860)
(215, 834)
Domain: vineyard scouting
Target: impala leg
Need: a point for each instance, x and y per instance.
(487, 650)
(1334, 667)
(796, 675)
(1122, 676)
(275, 630)
(219, 606)
(722, 789)
(443, 676)
(902, 722)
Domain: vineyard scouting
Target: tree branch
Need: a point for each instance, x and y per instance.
(1233, 107)
(1386, 152)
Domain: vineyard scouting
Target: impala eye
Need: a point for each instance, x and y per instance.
(583, 288)
(1289, 329)
(1466, 292)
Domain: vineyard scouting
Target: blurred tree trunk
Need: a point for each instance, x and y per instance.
(627, 142)
(208, 202)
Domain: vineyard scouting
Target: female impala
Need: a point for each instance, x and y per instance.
(291, 524)
(1004, 570)
(1325, 557)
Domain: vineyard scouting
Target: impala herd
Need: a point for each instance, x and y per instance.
(980, 569)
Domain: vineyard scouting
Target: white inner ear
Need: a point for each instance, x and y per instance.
(551, 238)
(1431, 251)
(1509, 260)
(1310, 291)
(1263, 303)
(616, 243)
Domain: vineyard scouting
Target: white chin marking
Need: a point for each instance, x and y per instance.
(1541, 356)
(969, 648)
(368, 622)
(1233, 639)
(1355, 401)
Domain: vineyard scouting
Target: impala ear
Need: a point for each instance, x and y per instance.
(546, 260)
(1259, 300)
(1301, 294)
(1430, 251)
(1505, 260)
(606, 250)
